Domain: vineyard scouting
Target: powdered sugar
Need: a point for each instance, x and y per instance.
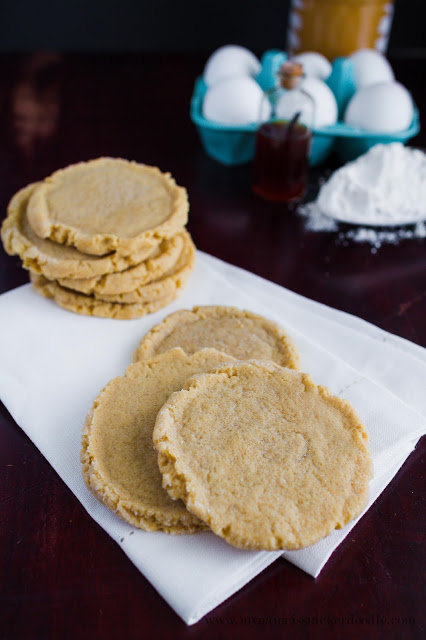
(386, 186)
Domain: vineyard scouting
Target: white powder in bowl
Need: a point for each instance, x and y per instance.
(384, 187)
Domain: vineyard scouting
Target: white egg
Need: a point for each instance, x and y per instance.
(385, 108)
(370, 67)
(315, 65)
(230, 60)
(325, 102)
(236, 101)
(325, 105)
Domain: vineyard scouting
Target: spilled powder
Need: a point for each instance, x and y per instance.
(316, 220)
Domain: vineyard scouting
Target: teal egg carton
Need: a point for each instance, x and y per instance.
(233, 145)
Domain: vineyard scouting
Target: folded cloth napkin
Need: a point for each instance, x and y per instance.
(330, 329)
(54, 363)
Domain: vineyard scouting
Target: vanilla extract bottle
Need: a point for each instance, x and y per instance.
(281, 161)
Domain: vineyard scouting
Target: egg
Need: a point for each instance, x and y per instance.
(236, 101)
(230, 60)
(385, 108)
(314, 64)
(325, 105)
(370, 67)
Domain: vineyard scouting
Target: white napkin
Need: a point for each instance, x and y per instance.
(54, 363)
(376, 355)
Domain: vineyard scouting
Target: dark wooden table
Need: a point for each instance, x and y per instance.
(61, 576)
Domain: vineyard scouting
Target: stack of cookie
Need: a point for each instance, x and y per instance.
(249, 448)
(103, 238)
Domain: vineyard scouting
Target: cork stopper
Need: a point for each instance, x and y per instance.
(290, 74)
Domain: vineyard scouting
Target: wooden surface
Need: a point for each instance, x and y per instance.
(61, 575)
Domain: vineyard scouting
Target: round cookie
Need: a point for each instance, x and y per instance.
(108, 204)
(242, 334)
(263, 456)
(134, 277)
(170, 284)
(56, 260)
(119, 460)
(90, 306)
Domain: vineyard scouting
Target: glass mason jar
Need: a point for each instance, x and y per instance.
(281, 161)
(339, 27)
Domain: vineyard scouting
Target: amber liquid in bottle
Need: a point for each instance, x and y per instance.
(280, 167)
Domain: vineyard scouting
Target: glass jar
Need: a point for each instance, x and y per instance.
(281, 160)
(339, 27)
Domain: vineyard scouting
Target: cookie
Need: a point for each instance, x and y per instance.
(171, 284)
(242, 334)
(118, 457)
(54, 260)
(90, 306)
(108, 204)
(263, 456)
(134, 277)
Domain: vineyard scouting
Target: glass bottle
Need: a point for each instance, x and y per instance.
(281, 161)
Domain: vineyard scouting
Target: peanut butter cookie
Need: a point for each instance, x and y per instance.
(263, 456)
(130, 279)
(108, 204)
(118, 457)
(242, 334)
(171, 283)
(54, 260)
(90, 306)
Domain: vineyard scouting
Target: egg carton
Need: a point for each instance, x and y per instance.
(234, 145)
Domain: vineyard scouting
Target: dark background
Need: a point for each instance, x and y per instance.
(171, 25)
(61, 576)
